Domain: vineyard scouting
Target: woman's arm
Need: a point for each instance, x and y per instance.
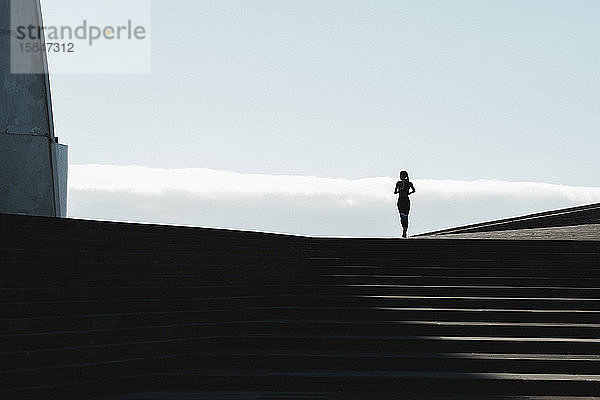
(411, 187)
(396, 191)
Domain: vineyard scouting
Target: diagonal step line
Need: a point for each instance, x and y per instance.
(543, 278)
(480, 298)
(571, 288)
(399, 374)
(478, 310)
(290, 296)
(298, 321)
(395, 355)
(435, 338)
(486, 310)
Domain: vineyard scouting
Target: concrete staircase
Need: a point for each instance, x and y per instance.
(97, 309)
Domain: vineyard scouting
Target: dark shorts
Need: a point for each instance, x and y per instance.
(404, 205)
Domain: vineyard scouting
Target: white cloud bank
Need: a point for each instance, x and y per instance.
(301, 204)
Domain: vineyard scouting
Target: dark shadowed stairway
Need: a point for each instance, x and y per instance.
(95, 309)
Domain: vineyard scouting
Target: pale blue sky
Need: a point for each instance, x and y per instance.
(502, 89)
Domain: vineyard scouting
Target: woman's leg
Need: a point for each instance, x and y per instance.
(404, 209)
(404, 222)
(405, 225)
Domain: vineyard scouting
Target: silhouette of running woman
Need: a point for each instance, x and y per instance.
(404, 188)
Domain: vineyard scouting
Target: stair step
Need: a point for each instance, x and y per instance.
(108, 305)
(57, 339)
(76, 293)
(399, 381)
